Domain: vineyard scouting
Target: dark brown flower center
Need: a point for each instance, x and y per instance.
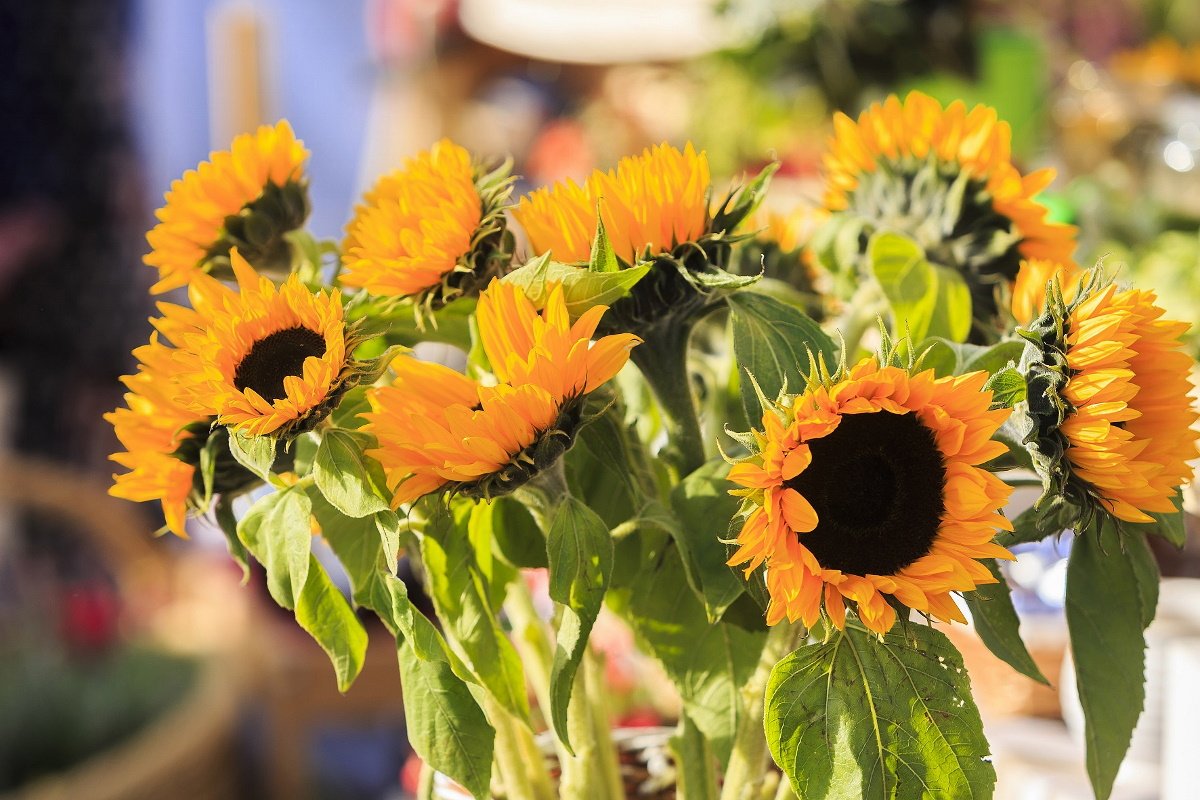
(876, 484)
(274, 358)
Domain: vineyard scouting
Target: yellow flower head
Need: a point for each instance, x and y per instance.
(264, 359)
(650, 202)
(431, 225)
(1108, 397)
(872, 486)
(246, 197)
(438, 429)
(903, 164)
(151, 429)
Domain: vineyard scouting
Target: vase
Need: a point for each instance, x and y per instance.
(647, 768)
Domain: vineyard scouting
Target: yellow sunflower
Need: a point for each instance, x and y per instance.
(431, 225)
(945, 177)
(438, 429)
(872, 486)
(245, 197)
(650, 202)
(265, 359)
(1109, 400)
(151, 429)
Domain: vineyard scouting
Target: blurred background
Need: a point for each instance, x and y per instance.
(135, 667)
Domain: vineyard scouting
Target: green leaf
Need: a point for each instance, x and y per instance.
(1108, 608)
(208, 467)
(998, 626)
(446, 726)
(461, 595)
(582, 288)
(348, 414)
(518, 539)
(1007, 387)
(772, 342)
(1025, 530)
(707, 662)
(958, 358)
(387, 522)
(277, 533)
(255, 453)
(740, 205)
(228, 524)
(1172, 526)
(603, 259)
(855, 717)
(580, 552)
(304, 452)
(324, 613)
(704, 508)
(341, 473)
(926, 300)
(355, 542)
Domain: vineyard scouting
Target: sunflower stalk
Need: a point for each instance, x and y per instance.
(745, 774)
(662, 359)
(514, 740)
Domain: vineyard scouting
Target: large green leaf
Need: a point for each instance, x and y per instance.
(277, 533)
(342, 474)
(946, 357)
(772, 342)
(357, 544)
(580, 552)
(447, 728)
(704, 507)
(998, 626)
(255, 453)
(1110, 601)
(707, 662)
(324, 613)
(462, 596)
(863, 719)
(926, 300)
(223, 511)
(582, 288)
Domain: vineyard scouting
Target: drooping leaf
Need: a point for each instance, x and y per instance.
(461, 596)
(1108, 608)
(255, 453)
(357, 544)
(517, 537)
(772, 342)
(998, 626)
(580, 553)
(446, 726)
(227, 522)
(324, 613)
(277, 533)
(856, 717)
(704, 507)
(341, 473)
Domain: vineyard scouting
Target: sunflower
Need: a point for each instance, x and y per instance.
(1108, 405)
(430, 230)
(263, 360)
(438, 429)
(247, 197)
(870, 485)
(152, 428)
(944, 177)
(650, 204)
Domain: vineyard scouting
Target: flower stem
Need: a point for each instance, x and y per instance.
(596, 693)
(520, 778)
(662, 360)
(747, 768)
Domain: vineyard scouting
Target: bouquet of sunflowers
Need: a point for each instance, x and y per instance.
(779, 508)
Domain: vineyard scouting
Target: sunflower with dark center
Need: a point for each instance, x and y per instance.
(438, 430)
(872, 487)
(247, 197)
(265, 359)
(944, 177)
(1108, 408)
(432, 231)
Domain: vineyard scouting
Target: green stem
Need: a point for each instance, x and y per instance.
(531, 640)
(520, 778)
(695, 763)
(747, 768)
(860, 315)
(595, 691)
(785, 790)
(663, 363)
